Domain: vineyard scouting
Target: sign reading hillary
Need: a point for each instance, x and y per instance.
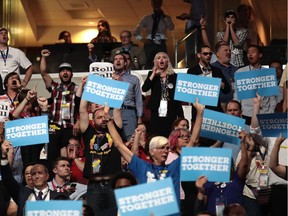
(4, 110)
(248, 83)
(28, 131)
(104, 69)
(273, 124)
(222, 126)
(53, 207)
(100, 90)
(214, 163)
(156, 198)
(189, 87)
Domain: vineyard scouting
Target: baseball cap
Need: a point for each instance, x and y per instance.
(230, 12)
(65, 66)
(3, 28)
(157, 142)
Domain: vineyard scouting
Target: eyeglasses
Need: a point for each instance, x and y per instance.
(163, 148)
(207, 53)
(181, 136)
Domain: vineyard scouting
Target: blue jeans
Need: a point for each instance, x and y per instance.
(100, 196)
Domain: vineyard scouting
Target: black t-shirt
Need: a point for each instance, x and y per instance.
(102, 158)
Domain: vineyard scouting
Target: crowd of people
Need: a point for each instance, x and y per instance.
(93, 150)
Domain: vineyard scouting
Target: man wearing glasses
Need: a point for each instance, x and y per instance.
(204, 68)
(137, 53)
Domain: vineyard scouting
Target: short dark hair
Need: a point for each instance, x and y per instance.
(219, 44)
(125, 59)
(275, 61)
(56, 161)
(255, 46)
(125, 175)
(8, 76)
(233, 101)
(202, 47)
(129, 33)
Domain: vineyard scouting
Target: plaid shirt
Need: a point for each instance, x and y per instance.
(59, 98)
(236, 49)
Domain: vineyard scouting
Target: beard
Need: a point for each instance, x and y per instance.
(65, 81)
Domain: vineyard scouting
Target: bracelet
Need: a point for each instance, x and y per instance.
(25, 81)
(27, 99)
(203, 28)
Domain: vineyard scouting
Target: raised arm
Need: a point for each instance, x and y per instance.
(243, 165)
(198, 123)
(204, 35)
(84, 115)
(256, 110)
(277, 168)
(117, 140)
(27, 77)
(43, 68)
(19, 109)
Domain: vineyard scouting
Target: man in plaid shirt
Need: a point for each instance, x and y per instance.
(63, 121)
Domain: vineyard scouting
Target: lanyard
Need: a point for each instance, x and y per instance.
(4, 57)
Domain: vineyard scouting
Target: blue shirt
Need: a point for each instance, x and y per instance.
(228, 73)
(147, 172)
(134, 95)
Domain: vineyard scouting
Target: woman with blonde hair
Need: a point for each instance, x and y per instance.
(164, 109)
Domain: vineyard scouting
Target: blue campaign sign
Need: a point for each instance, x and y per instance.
(156, 198)
(248, 83)
(28, 131)
(214, 163)
(273, 124)
(53, 207)
(189, 87)
(221, 126)
(100, 90)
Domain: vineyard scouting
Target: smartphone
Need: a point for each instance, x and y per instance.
(73, 185)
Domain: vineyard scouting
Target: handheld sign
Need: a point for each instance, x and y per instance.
(214, 163)
(27, 131)
(248, 83)
(189, 87)
(100, 90)
(104, 69)
(53, 207)
(221, 126)
(273, 124)
(4, 110)
(157, 198)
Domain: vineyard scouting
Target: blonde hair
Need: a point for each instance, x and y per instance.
(158, 141)
(169, 69)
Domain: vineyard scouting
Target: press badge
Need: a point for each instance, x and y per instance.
(65, 110)
(162, 110)
(157, 39)
(4, 71)
(219, 206)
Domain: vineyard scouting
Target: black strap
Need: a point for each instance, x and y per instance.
(5, 56)
(156, 19)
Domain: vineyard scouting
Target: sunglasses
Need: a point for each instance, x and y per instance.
(207, 53)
